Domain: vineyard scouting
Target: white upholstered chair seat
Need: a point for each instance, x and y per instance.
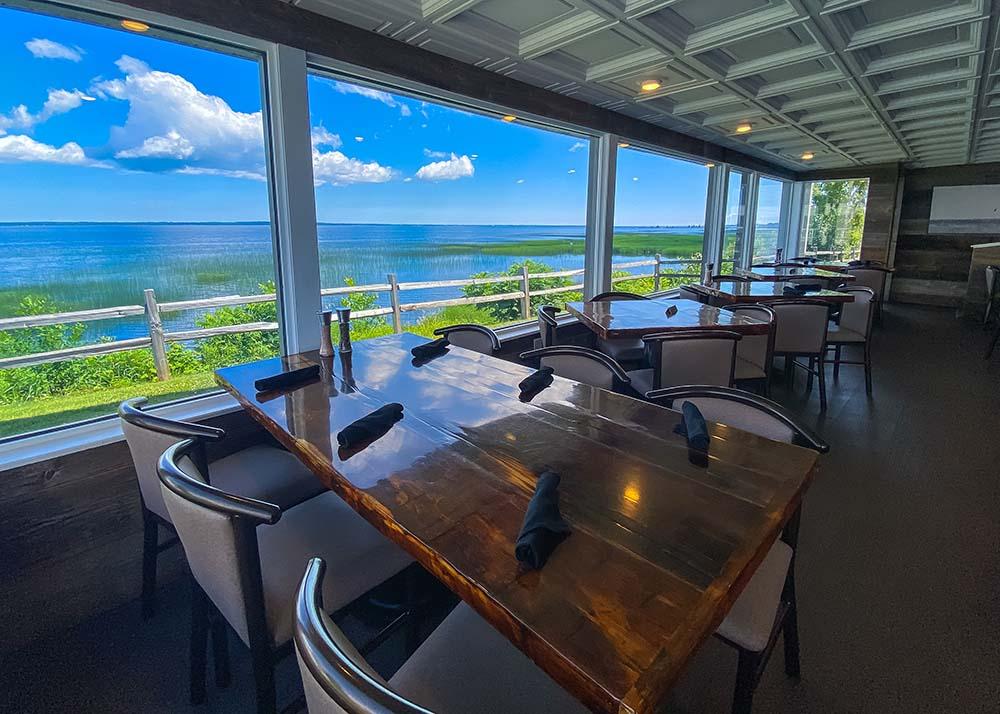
(642, 380)
(837, 333)
(750, 621)
(265, 473)
(359, 558)
(623, 349)
(745, 369)
(467, 667)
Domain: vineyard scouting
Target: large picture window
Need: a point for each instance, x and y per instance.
(659, 221)
(768, 219)
(135, 219)
(431, 215)
(735, 237)
(835, 219)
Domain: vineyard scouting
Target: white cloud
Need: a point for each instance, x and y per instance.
(408, 179)
(450, 169)
(439, 154)
(376, 94)
(18, 148)
(48, 49)
(359, 139)
(335, 168)
(519, 181)
(170, 146)
(635, 178)
(229, 173)
(59, 101)
(169, 118)
(571, 171)
(321, 136)
(578, 145)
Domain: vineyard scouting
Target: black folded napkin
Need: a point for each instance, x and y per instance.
(671, 311)
(536, 381)
(287, 379)
(370, 426)
(793, 290)
(543, 528)
(430, 349)
(810, 287)
(693, 426)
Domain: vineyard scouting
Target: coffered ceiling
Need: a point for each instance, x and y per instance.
(853, 82)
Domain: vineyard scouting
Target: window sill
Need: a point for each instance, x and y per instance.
(57, 442)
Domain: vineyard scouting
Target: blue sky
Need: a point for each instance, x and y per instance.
(100, 124)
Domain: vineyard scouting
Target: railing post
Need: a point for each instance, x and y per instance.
(656, 274)
(397, 321)
(526, 300)
(156, 341)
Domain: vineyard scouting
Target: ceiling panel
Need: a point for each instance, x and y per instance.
(851, 81)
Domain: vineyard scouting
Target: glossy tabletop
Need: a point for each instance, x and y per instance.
(659, 549)
(635, 318)
(731, 291)
(799, 274)
(839, 266)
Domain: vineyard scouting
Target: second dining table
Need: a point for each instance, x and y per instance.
(613, 319)
(660, 547)
(727, 292)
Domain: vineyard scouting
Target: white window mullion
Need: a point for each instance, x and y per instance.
(600, 215)
(715, 216)
(293, 199)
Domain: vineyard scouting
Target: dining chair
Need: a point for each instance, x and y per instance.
(246, 556)
(463, 666)
(755, 353)
(992, 287)
(581, 364)
(688, 357)
(804, 259)
(258, 471)
(477, 338)
(548, 326)
(767, 607)
(871, 274)
(800, 331)
(626, 350)
(853, 330)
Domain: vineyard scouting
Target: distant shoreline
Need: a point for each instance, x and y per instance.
(327, 223)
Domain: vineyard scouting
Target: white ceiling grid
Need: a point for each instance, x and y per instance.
(853, 81)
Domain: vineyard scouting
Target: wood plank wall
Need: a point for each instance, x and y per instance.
(71, 536)
(932, 268)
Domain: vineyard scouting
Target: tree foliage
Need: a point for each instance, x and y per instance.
(837, 216)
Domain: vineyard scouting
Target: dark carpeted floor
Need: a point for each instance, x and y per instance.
(898, 566)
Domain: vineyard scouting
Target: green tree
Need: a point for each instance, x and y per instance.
(837, 217)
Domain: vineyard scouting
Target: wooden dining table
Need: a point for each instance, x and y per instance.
(763, 291)
(660, 547)
(610, 319)
(804, 274)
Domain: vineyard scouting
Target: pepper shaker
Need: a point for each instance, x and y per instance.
(344, 321)
(325, 339)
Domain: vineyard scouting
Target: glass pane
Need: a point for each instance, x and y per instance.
(432, 194)
(836, 218)
(734, 239)
(765, 231)
(133, 173)
(659, 210)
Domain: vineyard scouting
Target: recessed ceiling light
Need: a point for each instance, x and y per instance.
(623, 144)
(744, 128)
(650, 85)
(709, 165)
(135, 25)
(807, 155)
(509, 117)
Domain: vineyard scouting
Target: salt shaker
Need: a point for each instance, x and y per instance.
(709, 269)
(344, 320)
(325, 340)
(778, 255)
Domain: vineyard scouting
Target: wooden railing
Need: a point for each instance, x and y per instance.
(158, 337)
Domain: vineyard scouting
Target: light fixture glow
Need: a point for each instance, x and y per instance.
(709, 165)
(509, 117)
(744, 128)
(650, 85)
(135, 26)
(623, 144)
(807, 155)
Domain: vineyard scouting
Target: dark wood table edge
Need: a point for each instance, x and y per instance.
(608, 333)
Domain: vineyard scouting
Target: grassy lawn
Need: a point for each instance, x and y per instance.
(43, 413)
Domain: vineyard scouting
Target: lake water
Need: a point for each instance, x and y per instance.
(82, 266)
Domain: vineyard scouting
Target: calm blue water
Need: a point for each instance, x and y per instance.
(82, 266)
